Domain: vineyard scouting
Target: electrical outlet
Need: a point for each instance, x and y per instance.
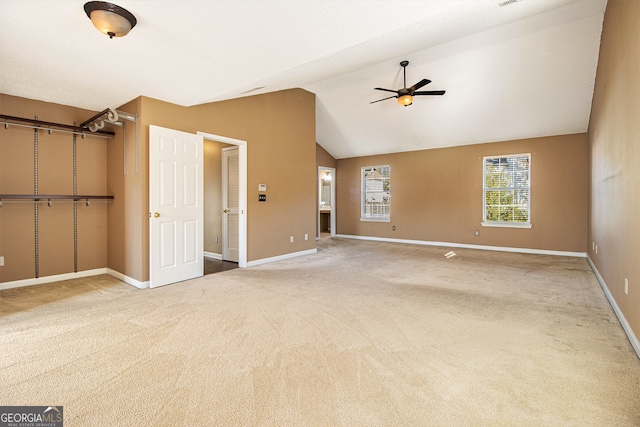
(626, 286)
(393, 228)
(306, 236)
(477, 232)
(1, 261)
(290, 239)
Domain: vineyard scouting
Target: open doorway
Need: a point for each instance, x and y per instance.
(217, 234)
(326, 202)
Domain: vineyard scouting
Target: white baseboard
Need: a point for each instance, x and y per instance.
(54, 278)
(212, 255)
(129, 280)
(623, 321)
(280, 257)
(467, 246)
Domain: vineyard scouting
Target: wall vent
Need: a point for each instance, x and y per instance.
(507, 3)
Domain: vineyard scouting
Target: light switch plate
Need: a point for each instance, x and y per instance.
(262, 187)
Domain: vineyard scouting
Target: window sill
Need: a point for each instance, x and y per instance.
(376, 219)
(507, 224)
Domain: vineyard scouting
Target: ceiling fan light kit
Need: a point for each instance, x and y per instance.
(405, 100)
(110, 19)
(405, 95)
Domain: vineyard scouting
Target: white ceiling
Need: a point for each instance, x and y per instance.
(518, 71)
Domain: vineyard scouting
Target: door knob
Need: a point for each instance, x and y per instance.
(156, 214)
(226, 211)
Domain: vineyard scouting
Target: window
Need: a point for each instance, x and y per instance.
(507, 187)
(376, 195)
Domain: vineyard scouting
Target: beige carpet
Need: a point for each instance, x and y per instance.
(360, 334)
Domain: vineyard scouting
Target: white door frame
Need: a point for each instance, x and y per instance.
(332, 213)
(242, 158)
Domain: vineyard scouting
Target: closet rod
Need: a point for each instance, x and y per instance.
(39, 197)
(38, 124)
(83, 134)
(100, 114)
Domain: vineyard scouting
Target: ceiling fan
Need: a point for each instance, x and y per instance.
(405, 95)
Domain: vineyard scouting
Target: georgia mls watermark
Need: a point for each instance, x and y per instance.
(31, 416)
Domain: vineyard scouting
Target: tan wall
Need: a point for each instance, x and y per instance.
(280, 132)
(323, 158)
(436, 195)
(127, 222)
(614, 140)
(279, 129)
(55, 176)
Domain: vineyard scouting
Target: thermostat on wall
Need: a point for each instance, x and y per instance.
(262, 187)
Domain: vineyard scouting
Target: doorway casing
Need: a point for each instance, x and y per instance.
(332, 213)
(242, 184)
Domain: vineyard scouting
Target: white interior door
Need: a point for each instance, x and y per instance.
(176, 212)
(230, 203)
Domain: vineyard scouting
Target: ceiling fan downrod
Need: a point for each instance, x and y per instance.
(404, 64)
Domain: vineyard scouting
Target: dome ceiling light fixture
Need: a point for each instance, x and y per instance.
(109, 18)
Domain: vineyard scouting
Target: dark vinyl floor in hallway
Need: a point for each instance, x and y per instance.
(212, 266)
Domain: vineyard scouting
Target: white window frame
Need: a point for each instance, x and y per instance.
(508, 224)
(364, 216)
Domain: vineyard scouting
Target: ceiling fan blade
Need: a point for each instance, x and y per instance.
(430, 92)
(387, 90)
(418, 85)
(373, 102)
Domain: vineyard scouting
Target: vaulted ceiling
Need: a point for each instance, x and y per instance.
(521, 70)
